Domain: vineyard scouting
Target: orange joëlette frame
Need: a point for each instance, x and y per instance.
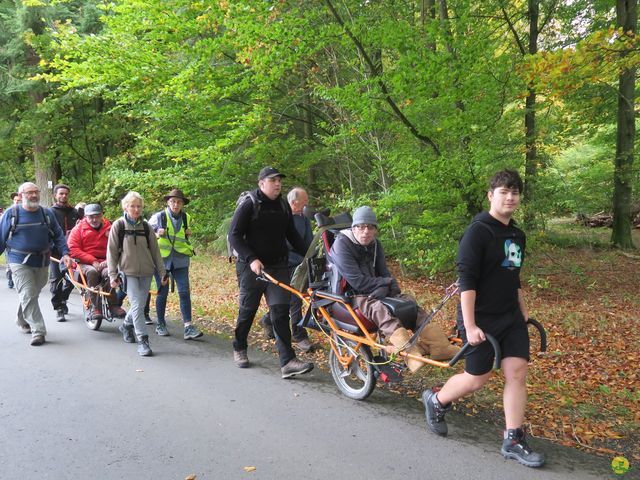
(365, 339)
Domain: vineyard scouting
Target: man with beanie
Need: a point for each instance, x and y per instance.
(259, 230)
(490, 256)
(359, 257)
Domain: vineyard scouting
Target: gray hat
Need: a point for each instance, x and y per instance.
(93, 209)
(364, 215)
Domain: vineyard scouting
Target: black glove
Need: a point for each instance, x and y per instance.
(380, 292)
(394, 289)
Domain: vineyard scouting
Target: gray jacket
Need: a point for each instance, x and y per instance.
(363, 267)
(138, 258)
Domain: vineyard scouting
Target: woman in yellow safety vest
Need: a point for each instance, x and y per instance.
(172, 227)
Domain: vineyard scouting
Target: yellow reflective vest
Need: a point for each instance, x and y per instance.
(175, 240)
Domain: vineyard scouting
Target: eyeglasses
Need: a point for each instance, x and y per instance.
(31, 192)
(364, 226)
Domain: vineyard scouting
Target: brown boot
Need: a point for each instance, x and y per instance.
(434, 342)
(400, 339)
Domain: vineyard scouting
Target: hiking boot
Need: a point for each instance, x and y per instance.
(117, 312)
(96, 313)
(147, 319)
(267, 328)
(127, 333)
(60, 315)
(144, 350)
(161, 329)
(304, 345)
(191, 333)
(296, 367)
(515, 446)
(240, 358)
(434, 412)
(37, 340)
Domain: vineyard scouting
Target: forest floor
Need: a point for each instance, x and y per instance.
(583, 391)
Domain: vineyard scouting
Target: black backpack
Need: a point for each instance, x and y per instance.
(257, 203)
(15, 215)
(137, 233)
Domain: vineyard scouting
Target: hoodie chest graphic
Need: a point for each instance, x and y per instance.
(513, 255)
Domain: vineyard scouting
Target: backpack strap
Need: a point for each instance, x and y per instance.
(136, 233)
(13, 221)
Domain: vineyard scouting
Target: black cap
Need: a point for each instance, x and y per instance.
(268, 172)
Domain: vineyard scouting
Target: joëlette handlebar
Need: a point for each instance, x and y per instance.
(541, 331)
(496, 352)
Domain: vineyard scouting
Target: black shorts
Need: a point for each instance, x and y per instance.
(509, 329)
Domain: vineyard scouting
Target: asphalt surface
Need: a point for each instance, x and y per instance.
(85, 405)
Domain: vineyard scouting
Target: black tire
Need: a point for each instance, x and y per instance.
(92, 324)
(358, 380)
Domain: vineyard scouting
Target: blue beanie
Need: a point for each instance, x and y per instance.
(364, 215)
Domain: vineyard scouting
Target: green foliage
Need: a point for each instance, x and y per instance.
(363, 103)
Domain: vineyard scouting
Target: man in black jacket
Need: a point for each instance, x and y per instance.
(67, 217)
(259, 230)
(490, 256)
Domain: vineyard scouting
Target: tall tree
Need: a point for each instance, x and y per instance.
(627, 22)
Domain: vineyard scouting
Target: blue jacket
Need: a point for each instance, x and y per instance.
(33, 237)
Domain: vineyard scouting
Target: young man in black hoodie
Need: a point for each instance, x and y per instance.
(259, 230)
(67, 217)
(489, 259)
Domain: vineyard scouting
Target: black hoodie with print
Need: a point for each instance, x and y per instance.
(489, 259)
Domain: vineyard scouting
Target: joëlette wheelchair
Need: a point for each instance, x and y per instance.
(77, 278)
(357, 355)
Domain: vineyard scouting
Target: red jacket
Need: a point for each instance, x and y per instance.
(88, 244)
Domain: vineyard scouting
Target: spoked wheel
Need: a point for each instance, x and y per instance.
(92, 323)
(357, 380)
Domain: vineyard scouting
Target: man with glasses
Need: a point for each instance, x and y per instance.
(172, 227)
(88, 245)
(27, 232)
(359, 258)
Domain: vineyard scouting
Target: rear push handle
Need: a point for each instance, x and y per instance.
(467, 346)
(541, 331)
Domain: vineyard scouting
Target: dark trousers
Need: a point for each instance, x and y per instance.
(251, 292)
(60, 287)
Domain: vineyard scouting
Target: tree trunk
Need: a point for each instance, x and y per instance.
(627, 18)
(531, 151)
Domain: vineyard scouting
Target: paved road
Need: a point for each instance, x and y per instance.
(85, 405)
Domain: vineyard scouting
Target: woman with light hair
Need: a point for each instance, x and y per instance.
(133, 250)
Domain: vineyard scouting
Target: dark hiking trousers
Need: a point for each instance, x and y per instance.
(60, 287)
(251, 291)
